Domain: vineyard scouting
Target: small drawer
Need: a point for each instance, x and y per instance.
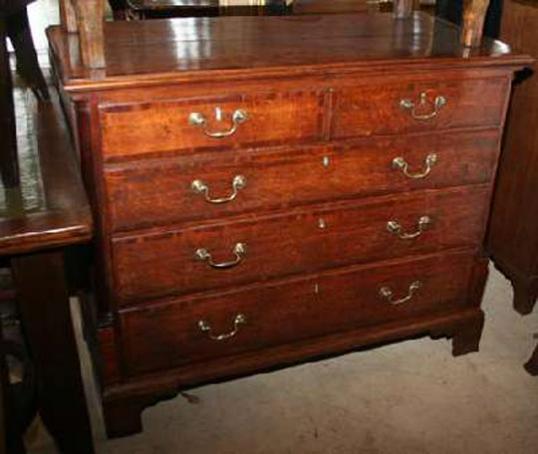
(423, 105)
(208, 186)
(187, 331)
(256, 248)
(210, 123)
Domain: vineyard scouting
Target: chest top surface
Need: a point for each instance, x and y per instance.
(187, 49)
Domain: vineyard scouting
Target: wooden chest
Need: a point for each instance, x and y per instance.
(272, 190)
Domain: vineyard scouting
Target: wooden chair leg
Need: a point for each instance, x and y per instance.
(18, 30)
(9, 165)
(68, 16)
(474, 15)
(91, 34)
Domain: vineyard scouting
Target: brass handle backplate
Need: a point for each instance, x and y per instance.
(396, 228)
(239, 250)
(387, 293)
(197, 119)
(205, 327)
(400, 163)
(238, 183)
(438, 103)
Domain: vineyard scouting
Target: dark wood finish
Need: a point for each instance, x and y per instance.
(284, 313)
(330, 7)
(513, 234)
(355, 169)
(151, 9)
(33, 229)
(315, 229)
(120, 401)
(243, 48)
(9, 167)
(64, 217)
(19, 33)
(11, 433)
(532, 364)
(292, 242)
(45, 312)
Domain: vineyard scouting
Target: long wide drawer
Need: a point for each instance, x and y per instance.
(255, 248)
(227, 122)
(191, 330)
(387, 107)
(207, 186)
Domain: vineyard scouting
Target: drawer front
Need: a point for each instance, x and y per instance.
(192, 330)
(256, 248)
(210, 123)
(424, 105)
(166, 191)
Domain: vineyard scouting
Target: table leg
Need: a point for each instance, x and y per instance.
(11, 441)
(43, 302)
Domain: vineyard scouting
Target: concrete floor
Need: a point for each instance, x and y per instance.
(409, 397)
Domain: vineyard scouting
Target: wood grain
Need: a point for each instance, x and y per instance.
(292, 242)
(211, 49)
(132, 130)
(157, 192)
(284, 313)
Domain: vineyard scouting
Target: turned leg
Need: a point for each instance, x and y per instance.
(524, 297)
(532, 365)
(466, 337)
(91, 33)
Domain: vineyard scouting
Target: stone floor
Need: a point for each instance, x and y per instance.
(410, 397)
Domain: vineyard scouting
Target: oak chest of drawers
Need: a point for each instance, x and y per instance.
(272, 190)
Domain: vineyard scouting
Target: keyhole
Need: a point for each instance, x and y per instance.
(326, 161)
(322, 224)
(316, 289)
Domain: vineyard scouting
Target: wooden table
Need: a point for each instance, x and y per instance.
(39, 219)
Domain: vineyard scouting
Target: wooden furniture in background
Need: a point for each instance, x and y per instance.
(263, 200)
(35, 229)
(150, 9)
(513, 235)
(86, 17)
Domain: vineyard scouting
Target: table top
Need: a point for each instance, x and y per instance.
(196, 49)
(50, 207)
